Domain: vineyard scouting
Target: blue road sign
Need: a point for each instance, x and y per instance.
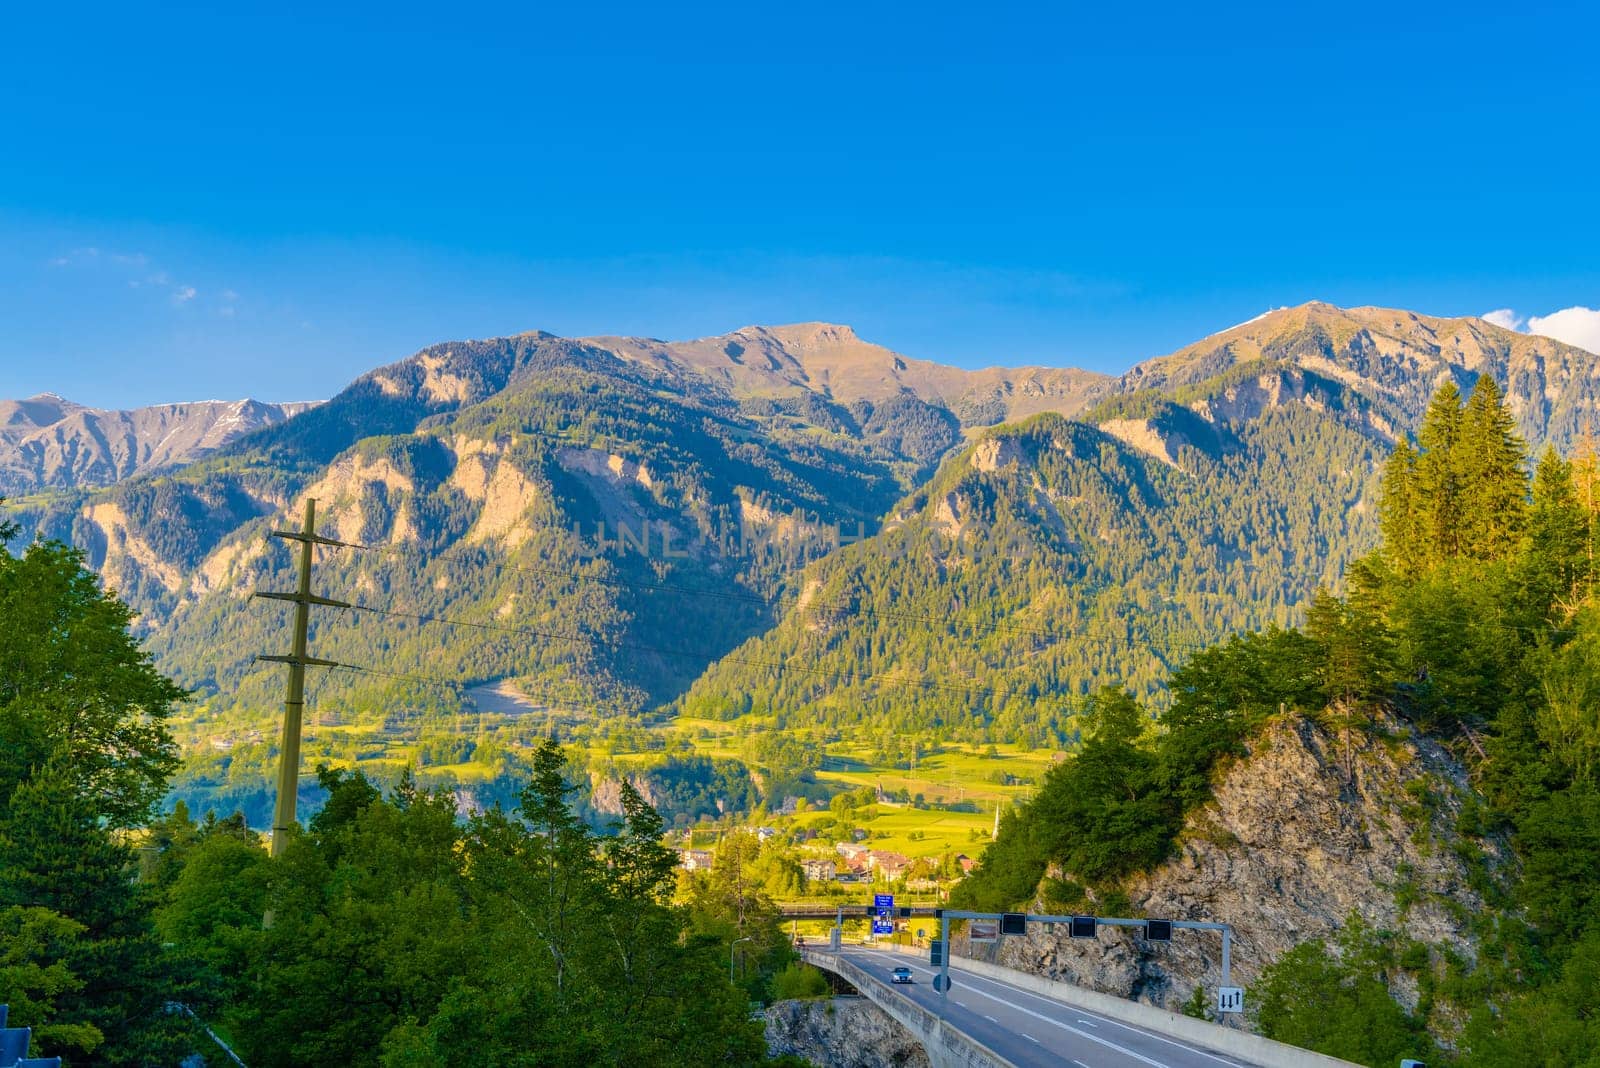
(883, 922)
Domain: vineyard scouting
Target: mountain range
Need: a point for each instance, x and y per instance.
(785, 522)
(49, 442)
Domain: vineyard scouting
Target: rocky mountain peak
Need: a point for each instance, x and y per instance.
(49, 442)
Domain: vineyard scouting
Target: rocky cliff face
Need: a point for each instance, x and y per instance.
(841, 1033)
(1315, 825)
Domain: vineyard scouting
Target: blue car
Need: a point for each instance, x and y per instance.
(900, 975)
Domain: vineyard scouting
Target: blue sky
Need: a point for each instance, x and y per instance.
(269, 202)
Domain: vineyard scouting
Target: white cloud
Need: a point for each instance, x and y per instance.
(1503, 317)
(1576, 326)
(136, 268)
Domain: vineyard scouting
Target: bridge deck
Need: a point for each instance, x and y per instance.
(1029, 1030)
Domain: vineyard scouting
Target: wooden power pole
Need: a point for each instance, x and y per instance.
(283, 812)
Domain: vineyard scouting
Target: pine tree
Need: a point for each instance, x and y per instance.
(1586, 484)
(1557, 561)
(1402, 539)
(1492, 484)
(1438, 491)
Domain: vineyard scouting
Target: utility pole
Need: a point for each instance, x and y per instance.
(283, 812)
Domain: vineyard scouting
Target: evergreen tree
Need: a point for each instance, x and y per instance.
(1492, 484)
(1437, 483)
(1403, 537)
(1556, 564)
(36, 945)
(55, 855)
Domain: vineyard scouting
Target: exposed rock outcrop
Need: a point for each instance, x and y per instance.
(846, 1032)
(1314, 825)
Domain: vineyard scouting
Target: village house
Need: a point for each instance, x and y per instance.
(695, 859)
(819, 870)
(888, 865)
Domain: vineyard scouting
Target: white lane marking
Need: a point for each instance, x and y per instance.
(1124, 1050)
(1151, 1034)
(1086, 1023)
(1030, 1038)
(991, 1019)
(1105, 1019)
(1080, 1064)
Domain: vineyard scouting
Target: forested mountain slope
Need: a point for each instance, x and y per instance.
(1050, 558)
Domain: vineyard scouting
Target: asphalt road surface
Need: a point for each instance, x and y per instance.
(1030, 1030)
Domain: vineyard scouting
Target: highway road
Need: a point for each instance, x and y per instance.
(1030, 1030)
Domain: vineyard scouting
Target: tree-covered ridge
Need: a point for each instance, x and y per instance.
(1049, 559)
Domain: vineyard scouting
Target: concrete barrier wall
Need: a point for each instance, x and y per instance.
(1211, 1036)
(947, 1047)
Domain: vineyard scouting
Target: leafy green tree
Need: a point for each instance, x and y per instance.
(214, 906)
(75, 684)
(1557, 1024)
(730, 903)
(799, 981)
(369, 922)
